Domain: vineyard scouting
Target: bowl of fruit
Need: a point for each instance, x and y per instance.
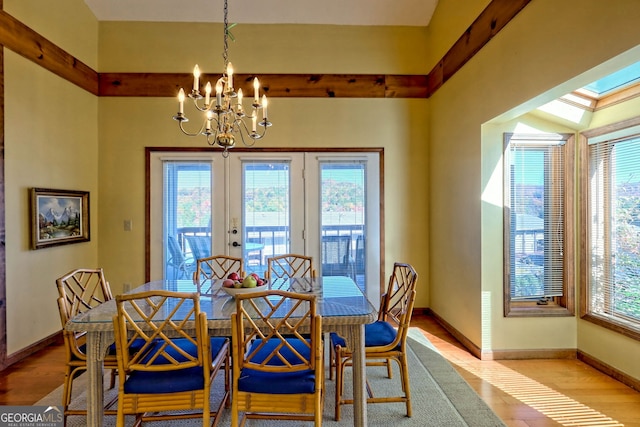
(234, 284)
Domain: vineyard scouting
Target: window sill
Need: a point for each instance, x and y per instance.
(531, 309)
(616, 327)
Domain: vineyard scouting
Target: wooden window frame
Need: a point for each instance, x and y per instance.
(556, 306)
(626, 129)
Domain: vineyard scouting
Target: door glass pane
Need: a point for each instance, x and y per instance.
(266, 212)
(187, 216)
(342, 205)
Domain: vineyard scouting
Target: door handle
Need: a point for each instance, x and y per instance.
(235, 244)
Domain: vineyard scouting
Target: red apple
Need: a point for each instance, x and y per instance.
(228, 283)
(260, 282)
(233, 276)
(255, 276)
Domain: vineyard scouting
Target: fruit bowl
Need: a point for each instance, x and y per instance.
(237, 291)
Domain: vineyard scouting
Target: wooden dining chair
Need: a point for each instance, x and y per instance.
(217, 267)
(278, 367)
(78, 291)
(170, 376)
(385, 339)
(289, 265)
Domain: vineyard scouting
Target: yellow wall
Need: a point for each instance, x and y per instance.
(127, 125)
(288, 49)
(50, 141)
(547, 50)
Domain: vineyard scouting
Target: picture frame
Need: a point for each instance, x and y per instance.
(58, 217)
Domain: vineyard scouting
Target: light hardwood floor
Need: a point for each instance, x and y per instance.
(523, 393)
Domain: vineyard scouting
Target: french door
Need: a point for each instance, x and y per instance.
(266, 207)
(257, 205)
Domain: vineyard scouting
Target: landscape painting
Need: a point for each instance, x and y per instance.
(58, 217)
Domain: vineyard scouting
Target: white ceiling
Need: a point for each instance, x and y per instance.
(338, 12)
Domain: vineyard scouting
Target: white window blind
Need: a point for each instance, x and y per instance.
(535, 220)
(342, 195)
(187, 214)
(267, 203)
(614, 213)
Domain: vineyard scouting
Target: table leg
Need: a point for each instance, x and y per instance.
(359, 377)
(95, 372)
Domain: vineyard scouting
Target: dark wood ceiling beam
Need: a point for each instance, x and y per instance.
(26, 42)
(492, 19)
(274, 85)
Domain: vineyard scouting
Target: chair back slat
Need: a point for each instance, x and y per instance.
(217, 267)
(153, 320)
(289, 265)
(396, 305)
(79, 291)
(83, 289)
(275, 326)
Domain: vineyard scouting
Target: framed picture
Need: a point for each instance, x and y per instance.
(58, 217)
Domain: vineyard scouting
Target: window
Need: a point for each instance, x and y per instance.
(537, 188)
(611, 214)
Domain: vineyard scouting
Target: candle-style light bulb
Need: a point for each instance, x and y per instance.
(264, 107)
(196, 77)
(181, 101)
(256, 87)
(207, 94)
(229, 76)
(239, 100)
(219, 93)
(209, 117)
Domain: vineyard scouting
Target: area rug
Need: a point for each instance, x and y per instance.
(440, 397)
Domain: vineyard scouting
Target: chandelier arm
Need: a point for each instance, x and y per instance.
(244, 142)
(180, 122)
(204, 108)
(252, 135)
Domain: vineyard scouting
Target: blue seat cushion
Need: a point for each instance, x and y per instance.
(376, 334)
(176, 380)
(255, 381)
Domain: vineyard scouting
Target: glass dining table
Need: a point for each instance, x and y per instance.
(343, 306)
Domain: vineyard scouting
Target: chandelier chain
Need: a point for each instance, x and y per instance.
(225, 54)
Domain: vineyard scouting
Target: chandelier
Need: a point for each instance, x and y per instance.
(224, 114)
